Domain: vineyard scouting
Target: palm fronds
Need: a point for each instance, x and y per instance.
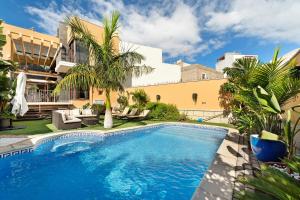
(79, 76)
(293, 164)
(271, 183)
(107, 67)
(275, 77)
(81, 33)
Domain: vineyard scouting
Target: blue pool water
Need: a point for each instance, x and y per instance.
(164, 162)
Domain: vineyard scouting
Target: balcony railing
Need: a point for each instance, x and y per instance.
(47, 96)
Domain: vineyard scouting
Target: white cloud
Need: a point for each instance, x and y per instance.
(184, 27)
(274, 20)
(176, 34)
(49, 18)
(173, 27)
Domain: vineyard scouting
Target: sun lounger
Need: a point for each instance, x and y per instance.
(142, 115)
(123, 114)
(132, 112)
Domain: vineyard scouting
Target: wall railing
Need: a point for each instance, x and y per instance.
(47, 96)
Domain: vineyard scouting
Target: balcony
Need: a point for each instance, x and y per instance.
(64, 62)
(46, 96)
(63, 66)
(67, 58)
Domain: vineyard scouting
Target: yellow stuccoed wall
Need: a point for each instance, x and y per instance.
(179, 94)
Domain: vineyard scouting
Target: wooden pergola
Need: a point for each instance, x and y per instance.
(33, 50)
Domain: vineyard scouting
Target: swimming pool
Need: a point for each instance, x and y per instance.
(159, 162)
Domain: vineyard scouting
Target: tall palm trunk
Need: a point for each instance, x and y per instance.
(108, 121)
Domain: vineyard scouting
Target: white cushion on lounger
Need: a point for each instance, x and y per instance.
(87, 112)
(72, 121)
(69, 117)
(63, 115)
(75, 112)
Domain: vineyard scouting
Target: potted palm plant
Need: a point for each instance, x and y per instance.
(268, 146)
(258, 113)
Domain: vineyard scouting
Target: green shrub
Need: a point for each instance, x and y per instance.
(140, 98)
(86, 106)
(123, 101)
(162, 111)
(98, 109)
(182, 117)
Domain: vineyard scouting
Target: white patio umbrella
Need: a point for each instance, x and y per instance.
(19, 102)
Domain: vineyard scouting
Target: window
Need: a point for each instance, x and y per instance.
(81, 52)
(82, 94)
(204, 76)
(36, 49)
(18, 46)
(27, 47)
(44, 51)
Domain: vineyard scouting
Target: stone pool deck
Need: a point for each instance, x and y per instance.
(233, 159)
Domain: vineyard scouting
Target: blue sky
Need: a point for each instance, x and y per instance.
(197, 31)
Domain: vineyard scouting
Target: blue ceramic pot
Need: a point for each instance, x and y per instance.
(200, 120)
(267, 150)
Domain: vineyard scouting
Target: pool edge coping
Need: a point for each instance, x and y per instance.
(220, 178)
(206, 189)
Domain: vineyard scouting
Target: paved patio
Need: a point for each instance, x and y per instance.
(5, 141)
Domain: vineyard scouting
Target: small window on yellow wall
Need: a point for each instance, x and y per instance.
(204, 76)
(158, 97)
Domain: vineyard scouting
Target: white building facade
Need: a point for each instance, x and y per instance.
(162, 72)
(229, 58)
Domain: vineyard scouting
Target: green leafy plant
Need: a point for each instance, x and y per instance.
(267, 101)
(7, 86)
(269, 114)
(98, 109)
(86, 106)
(293, 164)
(271, 183)
(290, 131)
(123, 101)
(162, 111)
(140, 98)
(182, 117)
(246, 122)
(274, 85)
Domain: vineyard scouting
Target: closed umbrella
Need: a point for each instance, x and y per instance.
(19, 102)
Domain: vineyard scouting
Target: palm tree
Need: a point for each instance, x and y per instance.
(107, 68)
(274, 77)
